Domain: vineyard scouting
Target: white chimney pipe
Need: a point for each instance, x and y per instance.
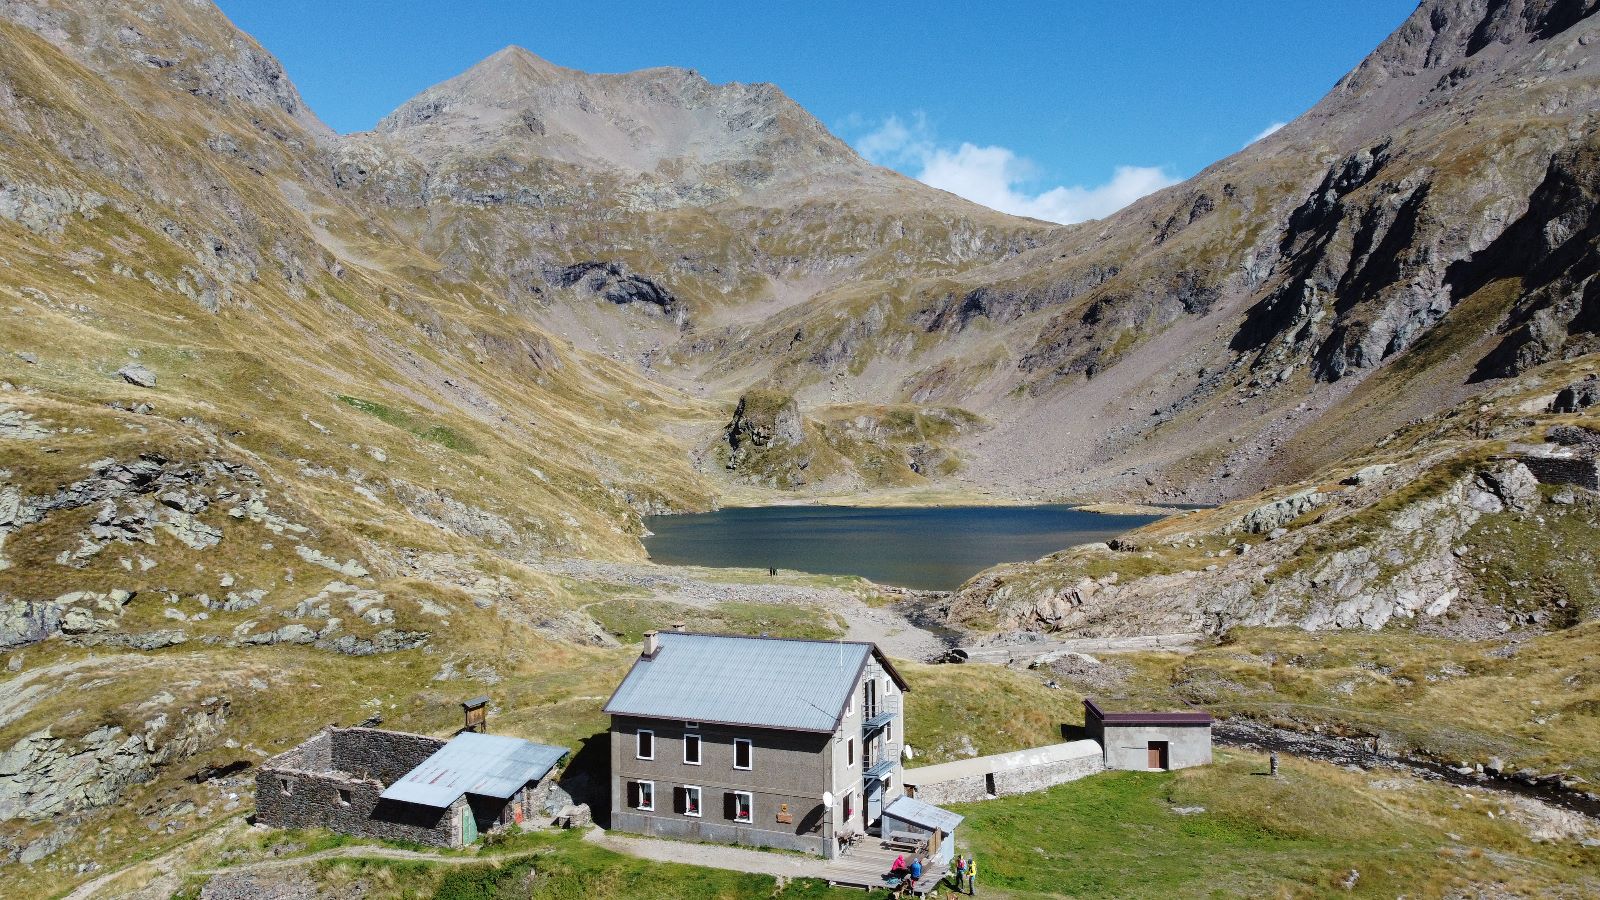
(652, 643)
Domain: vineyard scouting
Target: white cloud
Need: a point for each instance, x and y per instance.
(1266, 131)
(996, 177)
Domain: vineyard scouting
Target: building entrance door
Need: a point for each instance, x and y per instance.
(873, 793)
(1158, 755)
(469, 826)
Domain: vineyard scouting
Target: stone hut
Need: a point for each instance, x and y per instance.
(1150, 740)
(1004, 774)
(393, 785)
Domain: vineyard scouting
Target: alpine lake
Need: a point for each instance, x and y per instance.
(925, 547)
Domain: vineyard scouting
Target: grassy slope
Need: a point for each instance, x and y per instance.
(1302, 834)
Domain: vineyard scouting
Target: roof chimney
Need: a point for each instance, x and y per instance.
(652, 644)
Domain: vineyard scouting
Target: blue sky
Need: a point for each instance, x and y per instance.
(1063, 109)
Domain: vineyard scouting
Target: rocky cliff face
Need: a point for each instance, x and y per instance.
(1476, 524)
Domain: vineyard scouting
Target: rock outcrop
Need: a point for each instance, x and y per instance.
(1400, 550)
(43, 776)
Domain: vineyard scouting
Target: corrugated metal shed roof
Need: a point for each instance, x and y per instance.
(1002, 762)
(490, 765)
(765, 682)
(910, 809)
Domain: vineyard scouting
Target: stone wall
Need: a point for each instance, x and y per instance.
(313, 800)
(384, 755)
(308, 787)
(1128, 746)
(1583, 472)
(1007, 782)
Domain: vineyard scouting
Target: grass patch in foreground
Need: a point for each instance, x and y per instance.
(442, 435)
(1118, 835)
(559, 867)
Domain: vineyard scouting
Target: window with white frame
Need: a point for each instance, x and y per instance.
(850, 751)
(849, 806)
(691, 749)
(691, 724)
(743, 806)
(691, 800)
(743, 753)
(645, 744)
(644, 795)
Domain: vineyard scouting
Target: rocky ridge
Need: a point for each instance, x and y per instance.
(1452, 533)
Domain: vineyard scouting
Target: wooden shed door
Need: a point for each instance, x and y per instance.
(1158, 755)
(469, 826)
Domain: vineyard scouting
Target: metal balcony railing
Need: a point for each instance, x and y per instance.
(881, 761)
(879, 714)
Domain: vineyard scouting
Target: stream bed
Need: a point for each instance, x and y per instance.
(1347, 751)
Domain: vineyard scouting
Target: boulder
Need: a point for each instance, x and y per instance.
(1578, 395)
(578, 816)
(1279, 513)
(136, 374)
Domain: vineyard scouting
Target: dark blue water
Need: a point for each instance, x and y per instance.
(926, 547)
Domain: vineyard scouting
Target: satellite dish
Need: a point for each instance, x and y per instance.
(908, 752)
(827, 799)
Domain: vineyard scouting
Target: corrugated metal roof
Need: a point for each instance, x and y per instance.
(765, 682)
(490, 765)
(1002, 762)
(910, 809)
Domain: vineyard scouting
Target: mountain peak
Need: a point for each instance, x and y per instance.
(664, 121)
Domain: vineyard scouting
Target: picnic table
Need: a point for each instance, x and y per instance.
(905, 840)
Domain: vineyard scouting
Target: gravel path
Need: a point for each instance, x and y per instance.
(1007, 649)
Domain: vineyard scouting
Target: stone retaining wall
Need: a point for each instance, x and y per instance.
(1006, 781)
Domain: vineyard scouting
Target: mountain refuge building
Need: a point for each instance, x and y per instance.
(766, 742)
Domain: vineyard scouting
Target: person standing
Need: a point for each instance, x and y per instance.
(972, 877)
(961, 873)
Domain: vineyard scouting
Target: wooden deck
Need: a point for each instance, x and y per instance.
(866, 865)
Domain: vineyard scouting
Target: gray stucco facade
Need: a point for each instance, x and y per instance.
(856, 762)
(787, 770)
